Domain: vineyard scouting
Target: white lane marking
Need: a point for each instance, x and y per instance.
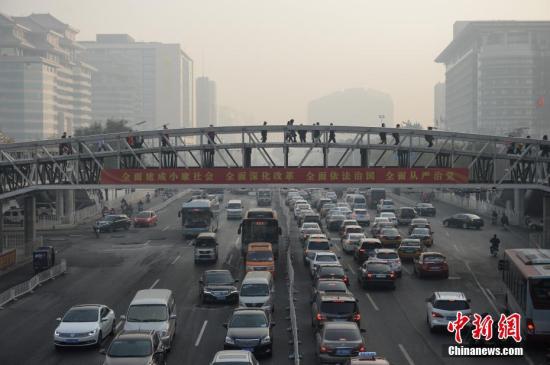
(491, 294)
(493, 305)
(406, 354)
(176, 259)
(372, 302)
(237, 242)
(447, 233)
(165, 228)
(201, 333)
(154, 284)
(351, 269)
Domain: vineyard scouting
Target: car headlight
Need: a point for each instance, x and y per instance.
(229, 340)
(206, 291)
(163, 333)
(266, 339)
(56, 333)
(233, 291)
(92, 332)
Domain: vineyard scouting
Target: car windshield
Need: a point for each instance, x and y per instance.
(254, 290)
(387, 202)
(354, 230)
(360, 211)
(205, 242)
(326, 258)
(143, 215)
(356, 236)
(407, 213)
(233, 206)
(451, 305)
(419, 221)
(390, 232)
(338, 307)
(81, 315)
(130, 348)
(147, 313)
(387, 255)
(310, 226)
(332, 286)
(219, 278)
(259, 256)
(110, 218)
(415, 243)
(421, 231)
(342, 334)
(331, 271)
(318, 245)
(381, 268)
(434, 258)
(248, 320)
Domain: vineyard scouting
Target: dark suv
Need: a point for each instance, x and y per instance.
(334, 307)
(112, 222)
(218, 286)
(136, 347)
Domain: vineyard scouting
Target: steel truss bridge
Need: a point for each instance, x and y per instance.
(77, 163)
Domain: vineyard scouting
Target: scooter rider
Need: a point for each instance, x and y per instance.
(495, 242)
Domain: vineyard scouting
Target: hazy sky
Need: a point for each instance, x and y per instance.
(269, 58)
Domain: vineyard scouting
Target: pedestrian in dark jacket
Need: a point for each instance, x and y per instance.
(396, 136)
(302, 134)
(62, 145)
(264, 134)
(331, 135)
(429, 138)
(382, 135)
(544, 149)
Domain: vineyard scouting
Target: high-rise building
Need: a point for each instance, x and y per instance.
(139, 81)
(439, 105)
(45, 87)
(497, 77)
(207, 106)
(358, 107)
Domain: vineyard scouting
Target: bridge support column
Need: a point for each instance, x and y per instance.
(69, 205)
(59, 204)
(247, 157)
(325, 157)
(285, 151)
(364, 157)
(546, 221)
(519, 204)
(30, 228)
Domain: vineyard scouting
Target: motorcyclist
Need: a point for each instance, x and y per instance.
(148, 198)
(495, 242)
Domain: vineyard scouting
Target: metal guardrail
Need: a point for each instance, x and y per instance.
(292, 309)
(28, 286)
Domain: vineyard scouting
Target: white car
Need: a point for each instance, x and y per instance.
(309, 228)
(442, 307)
(230, 357)
(299, 207)
(391, 217)
(84, 325)
(322, 258)
(390, 256)
(385, 205)
(332, 196)
(352, 241)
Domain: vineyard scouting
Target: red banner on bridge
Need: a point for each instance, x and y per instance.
(291, 175)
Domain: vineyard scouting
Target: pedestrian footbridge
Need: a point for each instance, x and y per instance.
(238, 156)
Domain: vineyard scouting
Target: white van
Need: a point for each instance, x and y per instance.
(153, 310)
(234, 209)
(257, 291)
(356, 201)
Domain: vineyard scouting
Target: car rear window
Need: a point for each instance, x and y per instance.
(328, 271)
(378, 268)
(387, 255)
(233, 206)
(326, 258)
(338, 307)
(451, 305)
(342, 334)
(434, 258)
(354, 230)
(332, 286)
(318, 246)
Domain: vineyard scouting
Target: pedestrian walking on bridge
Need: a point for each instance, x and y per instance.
(396, 136)
(382, 135)
(331, 135)
(264, 134)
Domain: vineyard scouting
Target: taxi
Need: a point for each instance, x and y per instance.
(409, 249)
(419, 223)
(424, 235)
(367, 358)
(389, 237)
(259, 257)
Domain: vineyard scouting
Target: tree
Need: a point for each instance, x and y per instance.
(5, 138)
(111, 126)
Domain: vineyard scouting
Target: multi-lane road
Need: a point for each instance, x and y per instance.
(111, 269)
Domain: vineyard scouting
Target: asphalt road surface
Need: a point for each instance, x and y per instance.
(111, 269)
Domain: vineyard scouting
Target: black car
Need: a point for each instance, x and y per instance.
(112, 222)
(218, 286)
(338, 341)
(463, 220)
(366, 250)
(425, 209)
(332, 272)
(376, 273)
(329, 286)
(249, 329)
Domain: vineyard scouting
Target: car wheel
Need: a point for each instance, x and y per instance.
(465, 225)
